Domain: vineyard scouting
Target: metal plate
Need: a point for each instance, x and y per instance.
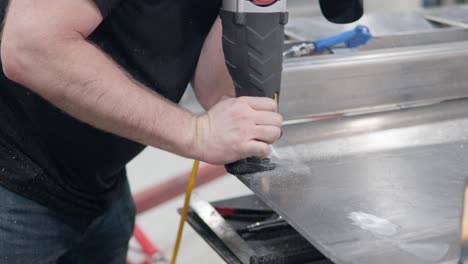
(445, 35)
(381, 188)
(368, 80)
(380, 24)
(450, 15)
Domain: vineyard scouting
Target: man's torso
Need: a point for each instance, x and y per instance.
(52, 158)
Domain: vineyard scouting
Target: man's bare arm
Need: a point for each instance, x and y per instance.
(212, 80)
(44, 48)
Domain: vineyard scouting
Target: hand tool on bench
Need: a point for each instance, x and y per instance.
(267, 225)
(244, 213)
(358, 36)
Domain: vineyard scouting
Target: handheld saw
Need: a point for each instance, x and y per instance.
(253, 43)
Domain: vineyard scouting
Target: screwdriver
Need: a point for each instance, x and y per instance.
(277, 223)
(360, 35)
(244, 213)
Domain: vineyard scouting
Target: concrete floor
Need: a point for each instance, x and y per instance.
(161, 223)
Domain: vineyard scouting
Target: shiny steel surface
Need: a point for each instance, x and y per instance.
(222, 229)
(450, 15)
(381, 24)
(370, 80)
(398, 40)
(379, 188)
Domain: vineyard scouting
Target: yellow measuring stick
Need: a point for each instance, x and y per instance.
(183, 216)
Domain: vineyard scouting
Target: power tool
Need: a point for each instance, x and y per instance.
(253, 43)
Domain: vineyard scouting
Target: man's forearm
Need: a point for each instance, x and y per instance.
(211, 80)
(81, 80)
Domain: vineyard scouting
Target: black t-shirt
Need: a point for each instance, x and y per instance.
(74, 168)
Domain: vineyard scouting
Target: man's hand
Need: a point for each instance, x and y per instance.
(237, 128)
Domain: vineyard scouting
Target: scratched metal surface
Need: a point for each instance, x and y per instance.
(455, 15)
(396, 77)
(381, 24)
(381, 188)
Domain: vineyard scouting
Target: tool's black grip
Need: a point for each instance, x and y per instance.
(249, 165)
(253, 49)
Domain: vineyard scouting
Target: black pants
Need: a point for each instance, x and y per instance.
(31, 233)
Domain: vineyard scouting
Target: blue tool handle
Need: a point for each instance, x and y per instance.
(353, 38)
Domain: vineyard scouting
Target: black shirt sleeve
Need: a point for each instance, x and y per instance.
(106, 6)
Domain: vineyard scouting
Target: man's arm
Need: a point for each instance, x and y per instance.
(212, 80)
(44, 48)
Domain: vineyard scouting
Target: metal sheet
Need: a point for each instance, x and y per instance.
(383, 78)
(380, 24)
(450, 15)
(381, 188)
(399, 40)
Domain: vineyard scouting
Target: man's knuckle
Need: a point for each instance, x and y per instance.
(241, 116)
(245, 114)
(266, 151)
(237, 112)
(277, 131)
(230, 101)
(242, 100)
(242, 131)
(272, 104)
(242, 107)
(278, 135)
(280, 119)
(243, 149)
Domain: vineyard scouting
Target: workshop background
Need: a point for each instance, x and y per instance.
(154, 166)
